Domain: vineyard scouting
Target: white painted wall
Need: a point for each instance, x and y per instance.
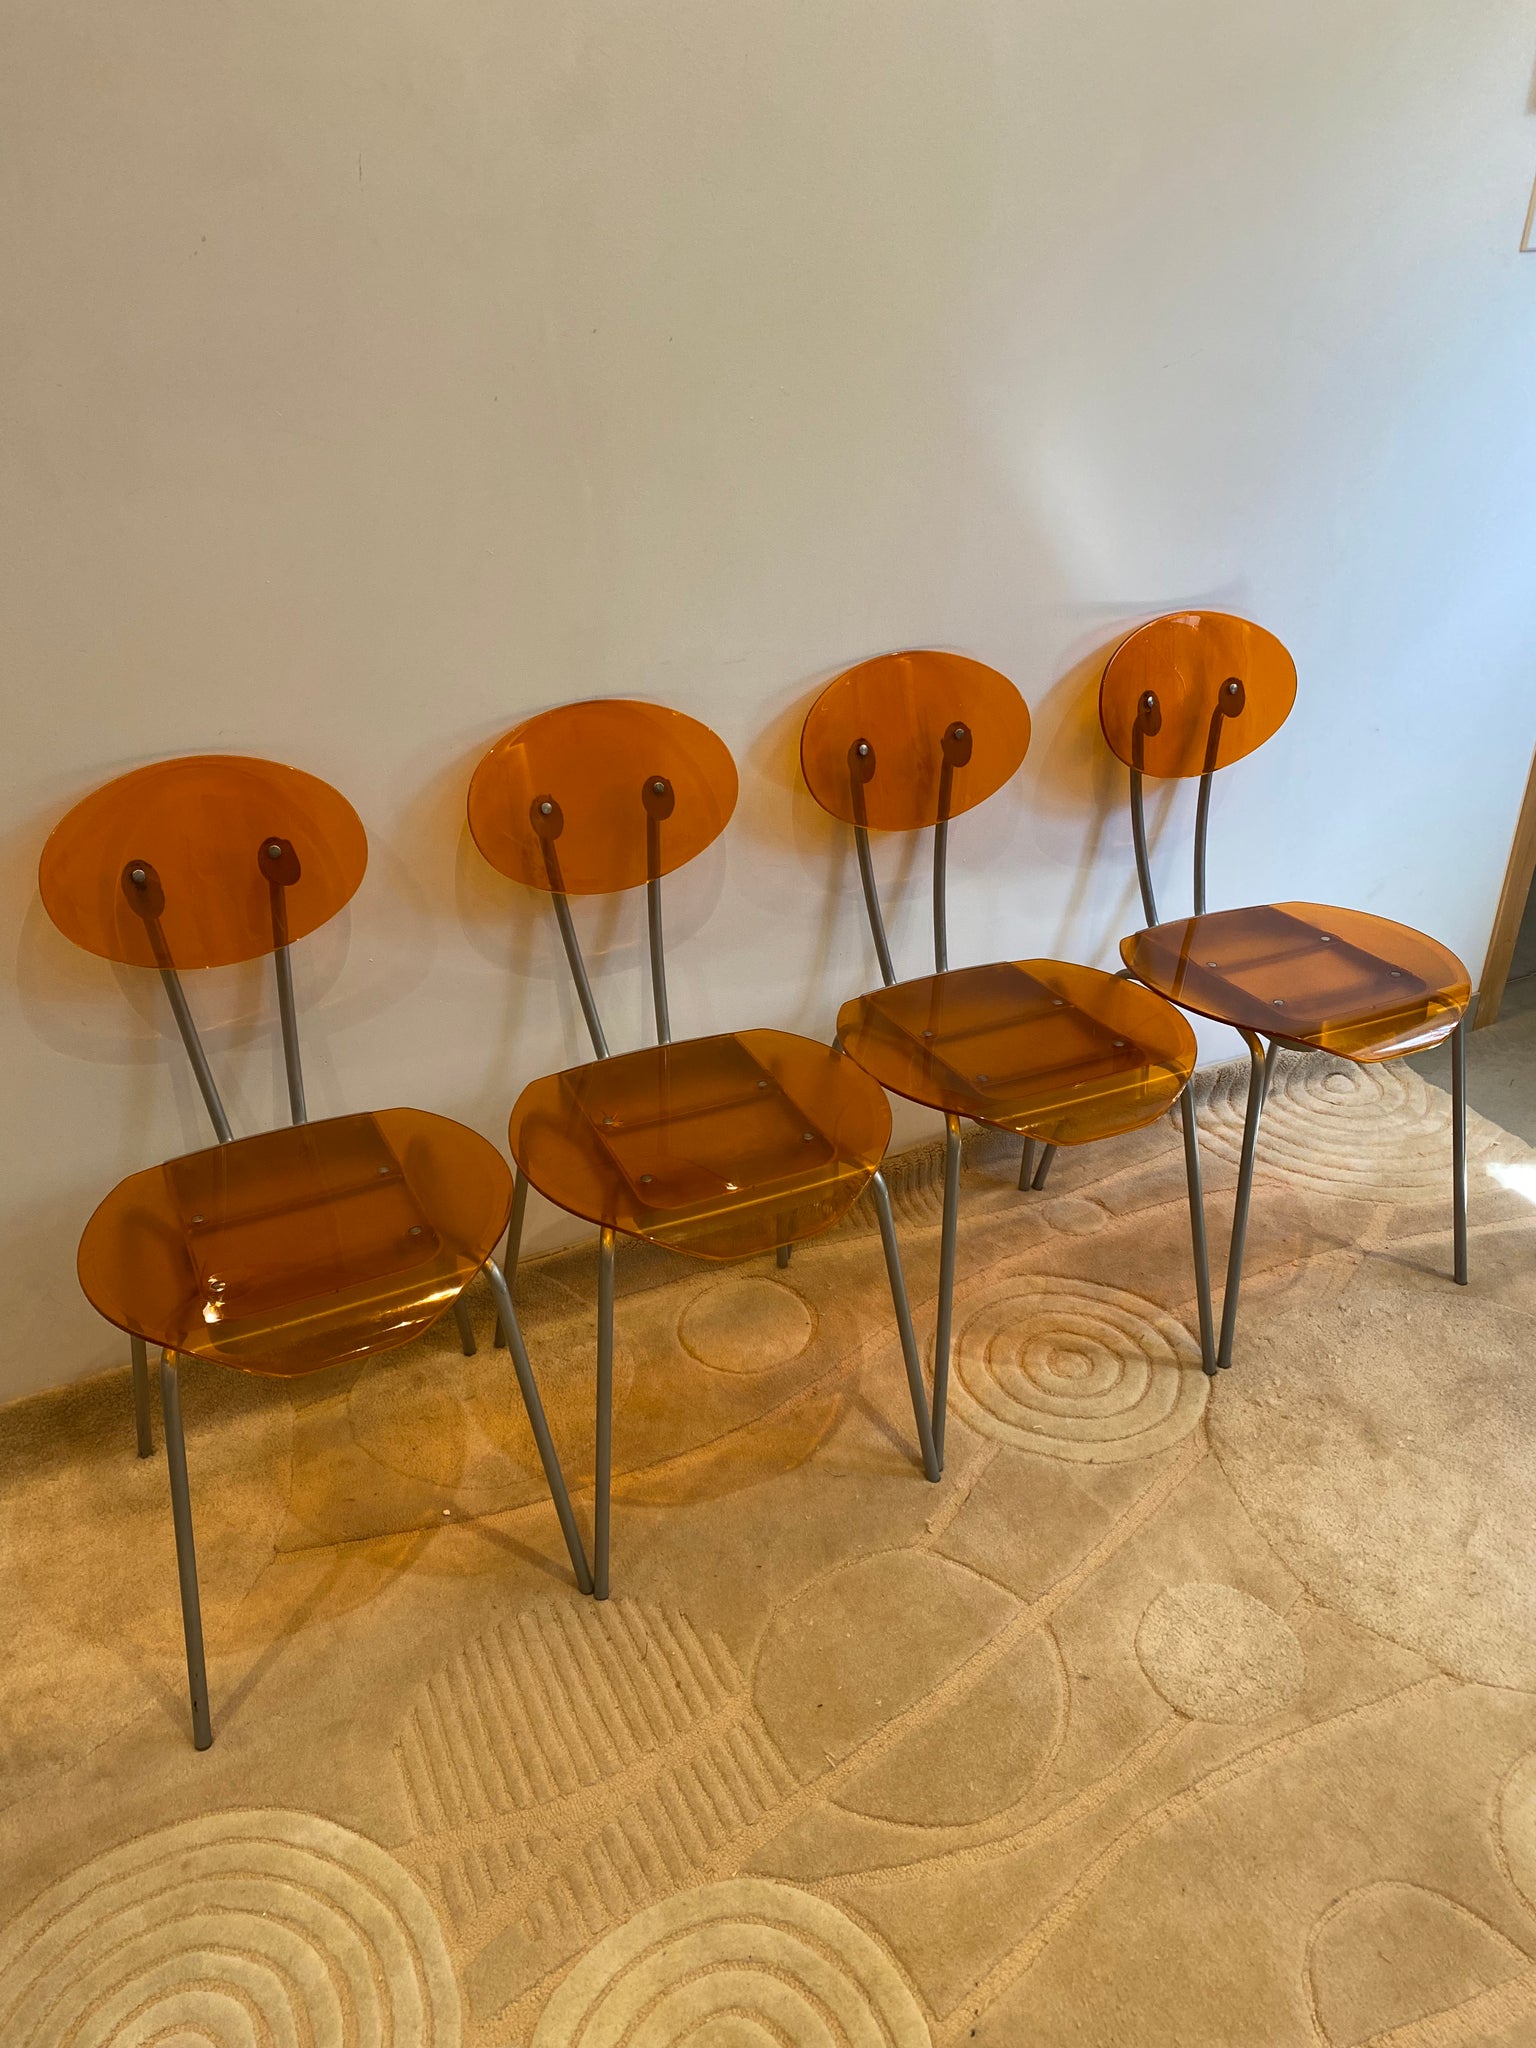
(374, 373)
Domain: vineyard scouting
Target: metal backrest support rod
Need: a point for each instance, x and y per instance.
(956, 746)
(1149, 719)
(146, 898)
(1230, 700)
(659, 799)
(861, 769)
(940, 891)
(280, 864)
(195, 1053)
(549, 823)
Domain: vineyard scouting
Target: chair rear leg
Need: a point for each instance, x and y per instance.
(1257, 1068)
(1201, 1250)
(186, 1555)
(466, 1327)
(1459, 1145)
(782, 1256)
(554, 1478)
(946, 1282)
(909, 1351)
(139, 1352)
(604, 1483)
(513, 1247)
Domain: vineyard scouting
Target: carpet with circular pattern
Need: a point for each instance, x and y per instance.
(1179, 1714)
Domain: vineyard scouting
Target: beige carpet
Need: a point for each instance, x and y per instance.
(1173, 1715)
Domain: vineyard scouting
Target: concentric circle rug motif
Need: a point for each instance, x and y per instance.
(1178, 1714)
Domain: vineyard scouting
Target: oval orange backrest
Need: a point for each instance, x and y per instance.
(200, 831)
(911, 714)
(1190, 662)
(587, 783)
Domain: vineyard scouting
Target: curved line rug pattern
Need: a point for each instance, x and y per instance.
(738, 1963)
(239, 1930)
(1209, 1704)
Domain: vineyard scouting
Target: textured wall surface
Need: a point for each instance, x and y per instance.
(376, 374)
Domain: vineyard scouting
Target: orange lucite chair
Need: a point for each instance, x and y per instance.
(1058, 1053)
(1182, 696)
(297, 1248)
(721, 1147)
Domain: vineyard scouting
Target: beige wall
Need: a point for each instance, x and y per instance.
(374, 374)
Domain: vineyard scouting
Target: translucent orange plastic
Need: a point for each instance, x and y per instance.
(1061, 1053)
(602, 786)
(300, 1248)
(1190, 662)
(722, 1147)
(1341, 981)
(200, 831)
(915, 714)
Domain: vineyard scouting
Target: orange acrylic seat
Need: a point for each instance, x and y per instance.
(203, 829)
(1340, 981)
(600, 796)
(303, 1247)
(1221, 686)
(906, 740)
(1056, 1052)
(722, 1147)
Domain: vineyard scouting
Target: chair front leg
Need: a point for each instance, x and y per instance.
(139, 1352)
(946, 1281)
(909, 1351)
(186, 1554)
(1202, 1256)
(466, 1327)
(554, 1478)
(1258, 1071)
(604, 1475)
(1459, 1144)
(1027, 1166)
(1046, 1157)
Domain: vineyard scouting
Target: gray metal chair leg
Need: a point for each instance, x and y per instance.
(1459, 1143)
(604, 1477)
(1044, 1167)
(1202, 1256)
(909, 1350)
(139, 1352)
(1258, 1067)
(946, 1282)
(513, 1246)
(554, 1478)
(186, 1555)
(466, 1327)
(1027, 1166)
(783, 1255)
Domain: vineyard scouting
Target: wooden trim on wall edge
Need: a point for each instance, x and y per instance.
(1506, 923)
